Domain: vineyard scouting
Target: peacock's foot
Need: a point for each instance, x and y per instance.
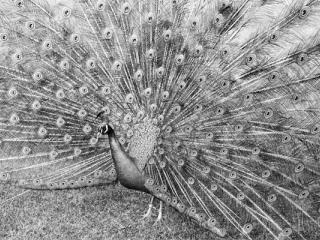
(159, 218)
(148, 214)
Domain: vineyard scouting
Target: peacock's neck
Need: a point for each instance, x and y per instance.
(127, 171)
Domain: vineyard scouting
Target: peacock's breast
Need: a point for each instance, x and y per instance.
(143, 142)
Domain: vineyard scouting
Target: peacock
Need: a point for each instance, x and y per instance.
(212, 107)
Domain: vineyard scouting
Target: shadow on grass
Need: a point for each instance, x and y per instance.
(109, 212)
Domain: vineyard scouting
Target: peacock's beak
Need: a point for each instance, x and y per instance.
(103, 129)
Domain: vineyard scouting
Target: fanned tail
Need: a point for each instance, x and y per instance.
(238, 153)
(217, 102)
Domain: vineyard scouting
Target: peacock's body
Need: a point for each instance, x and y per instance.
(214, 104)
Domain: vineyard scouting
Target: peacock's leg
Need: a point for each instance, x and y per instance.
(159, 218)
(149, 211)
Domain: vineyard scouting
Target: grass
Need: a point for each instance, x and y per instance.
(109, 212)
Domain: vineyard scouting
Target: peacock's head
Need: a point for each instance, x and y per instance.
(104, 128)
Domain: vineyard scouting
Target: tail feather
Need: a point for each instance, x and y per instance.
(217, 102)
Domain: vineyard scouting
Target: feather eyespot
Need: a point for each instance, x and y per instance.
(17, 56)
(194, 23)
(233, 175)
(12, 92)
(220, 111)
(161, 152)
(191, 180)
(36, 105)
(315, 129)
(30, 25)
(150, 18)
(206, 170)
(134, 39)
(286, 138)
(129, 98)
(179, 59)
(126, 8)
(153, 107)
(273, 76)
(151, 54)
(93, 141)
(37, 75)
(202, 79)
(60, 122)
(47, 45)
(251, 60)
(67, 138)
(87, 129)
(266, 174)
(182, 85)
(304, 12)
(180, 162)
(107, 33)
(3, 37)
(299, 167)
(295, 98)
(181, 207)
(148, 92)
(287, 232)
(273, 37)
(212, 221)
(117, 65)
(37, 182)
(168, 129)
(151, 161)
(198, 50)
(75, 38)
(224, 151)
(66, 12)
(272, 198)
(214, 187)
(160, 72)
(218, 20)
(302, 58)
(127, 118)
(60, 94)
(193, 153)
(4, 176)
(138, 75)
(247, 228)
(101, 5)
(165, 95)
(176, 109)
(256, 150)
(304, 194)
(140, 114)
(268, 113)
(91, 63)
(160, 118)
(53, 154)
(167, 35)
(64, 64)
(14, 119)
(209, 135)
(82, 113)
(19, 3)
(51, 185)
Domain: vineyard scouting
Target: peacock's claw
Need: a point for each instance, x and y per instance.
(148, 214)
(159, 218)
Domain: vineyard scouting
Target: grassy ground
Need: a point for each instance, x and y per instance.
(92, 213)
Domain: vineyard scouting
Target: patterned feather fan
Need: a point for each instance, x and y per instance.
(217, 102)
